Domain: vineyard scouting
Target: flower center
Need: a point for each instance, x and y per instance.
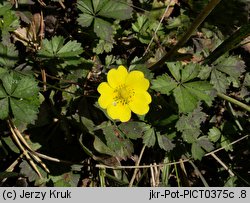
(123, 95)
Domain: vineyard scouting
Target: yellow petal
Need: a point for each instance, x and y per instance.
(136, 80)
(104, 101)
(106, 97)
(104, 88)
(140, 102)
(119, 111)
(117, 77)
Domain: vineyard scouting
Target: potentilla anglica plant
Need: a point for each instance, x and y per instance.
(124, 92)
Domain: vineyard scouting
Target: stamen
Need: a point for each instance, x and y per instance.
(123, 95)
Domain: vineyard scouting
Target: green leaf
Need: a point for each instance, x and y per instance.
(200, 147)
(29, 172)
(149, 137)
(205, 72)
(10, 82)
(219, 81)
(201, 90)
(133, 130)
(61, 183)
(225, 142)
(69, 179)
(189, 72)
(9, 22)
(103, 46)
(181, 21)
(175, 69)
(4, 106)
(214, 134)
(85, 6)
(141, 25)
(103, 29)
(70, 49)
(232, 66)
(55, 49)
(187, 94)
(116, 9)
(27, 87)
(189, 125)
(8, 55)
(99, 11)
(24, 110)
(226, 70)
(185, 100)
(6, 174)
(8, 141)
(2, 71)
(204, 142)
(122, 147)
(231, 181)
(6, 6)
(101, 147)
(247, 80)
(164, 84)
(98, 4)
(2, 92)
(19, 94)
(85, 19)
(164, 142)
(197, 151)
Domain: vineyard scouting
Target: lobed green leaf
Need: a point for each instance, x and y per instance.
(116, 9)
(133, 130)
(214, 134)
(164, 84)
(149, 137)
(164, 142)
(4, 106)
(56, 49)
(8, 55)
(185, 100)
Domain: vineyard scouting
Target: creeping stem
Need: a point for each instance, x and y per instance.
(234, 101)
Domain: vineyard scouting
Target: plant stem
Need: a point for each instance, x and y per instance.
(234, 101)
(199, 19)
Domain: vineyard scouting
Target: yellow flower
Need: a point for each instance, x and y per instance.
(124, 92)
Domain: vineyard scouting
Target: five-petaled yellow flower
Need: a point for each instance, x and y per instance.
(124, 92)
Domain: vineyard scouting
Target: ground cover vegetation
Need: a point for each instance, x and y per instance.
(124, 93)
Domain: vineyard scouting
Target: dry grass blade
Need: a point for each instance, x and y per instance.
(41, 2)
(28, 152)
(43, 73)
(157, 172)
(152, 176)
(183, 172)
(156, 30)
(136, 169)
(25, 152)
(32, 153)
(223, 164)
